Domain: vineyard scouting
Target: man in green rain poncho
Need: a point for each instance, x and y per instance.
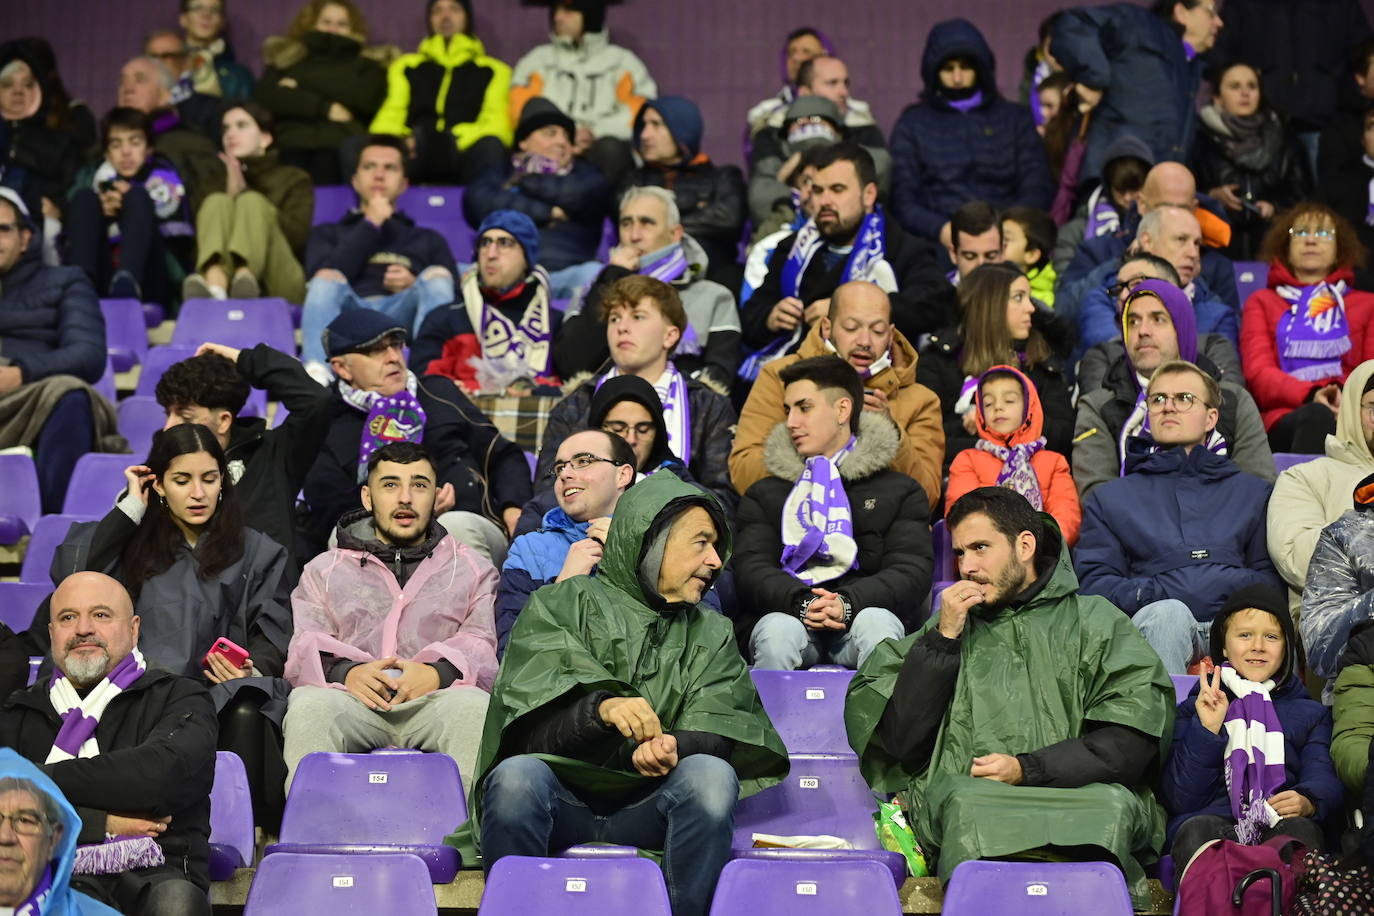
(1024, 716)
(623, 712)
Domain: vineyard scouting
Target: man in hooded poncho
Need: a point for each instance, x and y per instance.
(1022, 716)
(623, 712)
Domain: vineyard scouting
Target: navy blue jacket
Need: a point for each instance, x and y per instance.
(1073, 284)
(362, 252)
(942, 158)
(1179, 525)
(583, 194)
(1194, 779)
(1149, 85)
(50, 320)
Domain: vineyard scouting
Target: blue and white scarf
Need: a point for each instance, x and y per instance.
(668, 268)
(817, 527)
(1254, 754)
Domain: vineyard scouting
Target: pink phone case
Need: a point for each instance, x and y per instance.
(235, 654)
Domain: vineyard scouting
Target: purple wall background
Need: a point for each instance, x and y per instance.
(722, 53)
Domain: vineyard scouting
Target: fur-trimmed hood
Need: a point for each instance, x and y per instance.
(874, 449)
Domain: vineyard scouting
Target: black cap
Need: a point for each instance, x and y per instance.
(540, 112)
(358, 329)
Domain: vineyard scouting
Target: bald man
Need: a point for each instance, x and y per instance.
(133, 749)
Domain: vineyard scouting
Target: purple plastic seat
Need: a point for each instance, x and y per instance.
(256, 405)
(319, 885)
(105, 385)
(1285, 460)
(50, 531)
(522, 885)
(19, 601)
(241, 323)
(441, 208)
(155, 363)
(231, 818)
(1037, 889)
(97, 481)
(1250, 276)
(599, 851)
(19, 504)
(35, 662)
(126, 332)
(140, 416)
(153, 315)
(1183, 685)
(945, 570)
(332, 202)
(855, 887)
(362, 803)
(807, 708)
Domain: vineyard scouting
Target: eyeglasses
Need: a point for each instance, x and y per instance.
(503, 242)
(578, 463)
(1122, 286)
(393, 341)
(1325, 235)
(620, 427)
(26, 822)
(1183, 401)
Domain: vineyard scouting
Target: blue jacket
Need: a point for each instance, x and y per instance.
(535, 559)
(942, 158)
(1179, 525)
(1074, 284)
(1149, 85)
(583, 194)
(50, 320)
(1099, 321)
(1194, 780)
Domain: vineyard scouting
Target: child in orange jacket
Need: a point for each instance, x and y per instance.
(1011, 452)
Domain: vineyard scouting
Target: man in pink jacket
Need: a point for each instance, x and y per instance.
(395, 640)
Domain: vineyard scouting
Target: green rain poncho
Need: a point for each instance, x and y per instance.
(614, 632)
(1029, 676)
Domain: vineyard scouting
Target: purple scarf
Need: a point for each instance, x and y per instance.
(1102, 216)
(1313, 335)
(534, 164)
(969, 103)
(398, 418)
(117, 855)
(1369, 206)
(1042, 70)
(669, 267)
(1017, 473)
(817, 528)
(80, 715)
(1254, 754)
(37, 902)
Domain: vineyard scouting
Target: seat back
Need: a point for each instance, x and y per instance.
(856, 887)
(19, 601)
(50, 531)
(140, 416)
(1183, 685)
(1037, 889)
(20, 506)
(807, 708)
(520, 885)
(1285, 460)
(231, 817)
(332, 202)
(945, 570)
(441, 209)
(156, 362)
(96, 481)
(105, 385)
(126, 332)
(820, 795)
(1250, 276)
(240, 323)
(287, 884)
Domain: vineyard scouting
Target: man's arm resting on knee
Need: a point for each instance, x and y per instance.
(924, 687)
(1107, 753)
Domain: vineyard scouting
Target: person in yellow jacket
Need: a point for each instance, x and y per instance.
(449, 100)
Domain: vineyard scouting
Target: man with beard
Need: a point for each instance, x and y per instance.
(132, 748)
(395, 643)
(1071, 706)
(849, 238)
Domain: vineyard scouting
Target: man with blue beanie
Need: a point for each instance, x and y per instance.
(503, 318)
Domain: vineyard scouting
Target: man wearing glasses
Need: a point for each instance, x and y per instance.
(1184, 528)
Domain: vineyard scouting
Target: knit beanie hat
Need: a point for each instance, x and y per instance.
(518, 225)
(1264, 598)
(540, 112)
(1180, 309)
(465, 4)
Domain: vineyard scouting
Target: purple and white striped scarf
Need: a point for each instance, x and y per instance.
(677, 411)
(1102, 216)
(817, 527)
(529, 344)
(669, 267)
(535, 164)
(1369, 206)
(35, 903)
(1313, 335)
(1017, 473)
(80, 715)
(1254, 754)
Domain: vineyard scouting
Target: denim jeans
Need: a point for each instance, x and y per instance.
(781, 642)
(690, 815)
(1172, 631)
(325, 299)
(563, 284)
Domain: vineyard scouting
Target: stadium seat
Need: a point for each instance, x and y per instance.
(332, 202)
(807, 708)
(126, 333)
(1285, 460)
(105, 385)
(945, 570)
(19, 503)
(153, 315)
(365, 803)
(520, 885)
(256, 405)
(1037, 889)
(854, 887)
(155, 363)
(320, 885)
(50, 531)
(96, 483)
(1250, 276)
(140, 416)
(441, 209)
(241, 323)
(231, 818)
(19, 601)
(1183, 685)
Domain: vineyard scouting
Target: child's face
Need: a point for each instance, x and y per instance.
(1004, 405)
(1254, 644)
(1014, 243)
(1050, 100)
(127, 150)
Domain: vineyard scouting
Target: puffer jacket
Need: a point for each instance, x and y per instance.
(942, 158)
(535, 559)
(1339, 590)
(326, 69)
(1184, 525)
(583, 194)
(593, 82)
(50, 319)
(452, 83)
(1352, 707)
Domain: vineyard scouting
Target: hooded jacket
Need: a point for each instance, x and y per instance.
(61, 900)
(50, 319)
(1194, 779)
(1099, 320)
(1060, 679)
(594, 82)
(1182, 525)
(362, 251)
(913, 407)
(583, 194)
(1339, 591)
(1099, 359)
(36, 160)
(326, 68)
(586, 639)
(1353, 709)
(1276, 392)
(1071, 234)
(943, 157)
(973, 468)
(366, 600)
(535, 560)
(1309, 496)
(452, 84)
(888, 511)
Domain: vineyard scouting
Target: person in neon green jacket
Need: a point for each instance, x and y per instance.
(449, 99)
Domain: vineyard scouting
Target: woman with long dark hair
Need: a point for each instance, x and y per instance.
(999, 325)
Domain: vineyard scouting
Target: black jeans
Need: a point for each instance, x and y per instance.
(1303, 430)
(141, 249)
(163, 890)
(1196, 831)
(68, 434)
(257, 740)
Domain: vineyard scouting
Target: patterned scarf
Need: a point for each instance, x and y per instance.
(677, 410)
(527, 344)
(1042, 70)
(1017, 473)
(669, 267)
(80, 716)
(1313, 335)
(1254, 754)
(535, 164)
(37, 902)
(398, 418)
(817, 528)
(167, 192)
(1102, 216)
